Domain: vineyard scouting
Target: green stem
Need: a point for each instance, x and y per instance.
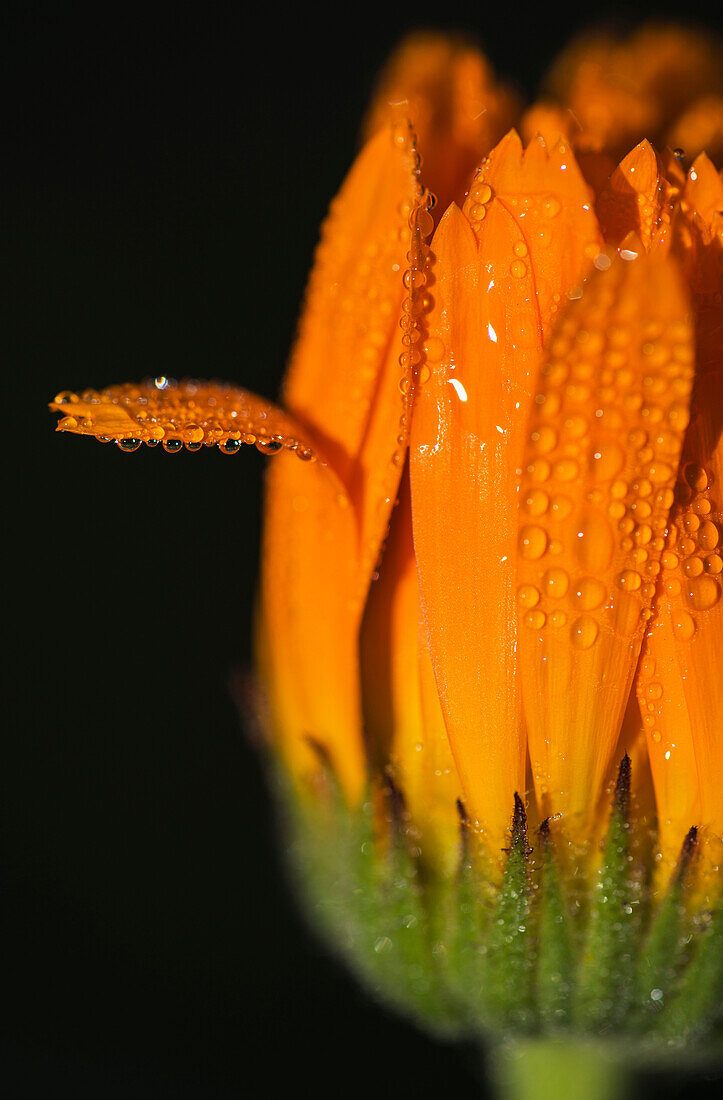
(548, 1069)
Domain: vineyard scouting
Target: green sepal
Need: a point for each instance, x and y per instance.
(507, 991)
(698, 1002)
(659, 960)
(555, 956)
(469, 917)
(604, 986)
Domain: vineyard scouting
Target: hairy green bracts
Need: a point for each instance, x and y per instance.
(601, 955)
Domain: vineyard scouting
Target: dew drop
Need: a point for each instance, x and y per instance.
(683, 625)
(566, 469)
(129, 445)
(713, 564)
(536, 502)
(518, 269)
(532, 542)
(551, 207)
(628, 580)
(584, 632)
(535, 620)
(708, 535)
(561, 507)
(230, 446)
(269, 446)
(527, 596)
(696, 477)
(588, 594)
(172, 446)
(556, 583)
(702, 593)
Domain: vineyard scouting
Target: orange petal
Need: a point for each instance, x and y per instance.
(500, 273)
(661, 696)
(449, 91)
(403, 717)
(308, 624)
(485, 339)
(542, 188)
(703, 193)
(600, 461)
(637, 199)
(343, 384)
(178, 413)
(345, 375)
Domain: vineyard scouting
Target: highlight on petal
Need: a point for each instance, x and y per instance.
(350, 383)
(448, 89)
(177, 414)
(405, 728)
(600, 462)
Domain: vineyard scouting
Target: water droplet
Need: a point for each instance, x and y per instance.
(584, 632)
(588, 594)
(527, 596)
(655, 735)
(693, 567)
(268, 446)
(480, 193)
(696, 477)
(535, 620)
(551, 206)
(556, 583)
(628, 580)
(561, 507)
(713, 564)
(543, 439)
(230, 446)
(194, 446)
(683, 625)
(708, 535)
(566, 469)
(67, 423)
(557, 619)
(172, 446)
(518, 269)
(129, 445)
(702, 592)
(520, 249)
(535, 502)
(532, 542)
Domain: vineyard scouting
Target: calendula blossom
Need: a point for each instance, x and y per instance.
(490, 621)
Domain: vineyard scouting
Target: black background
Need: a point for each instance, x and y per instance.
(166, 173)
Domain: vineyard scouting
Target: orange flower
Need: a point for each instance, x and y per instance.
(545, 362)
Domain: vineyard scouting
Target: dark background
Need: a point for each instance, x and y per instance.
(165, 176)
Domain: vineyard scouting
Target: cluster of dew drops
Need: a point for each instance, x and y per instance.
(193, 415)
